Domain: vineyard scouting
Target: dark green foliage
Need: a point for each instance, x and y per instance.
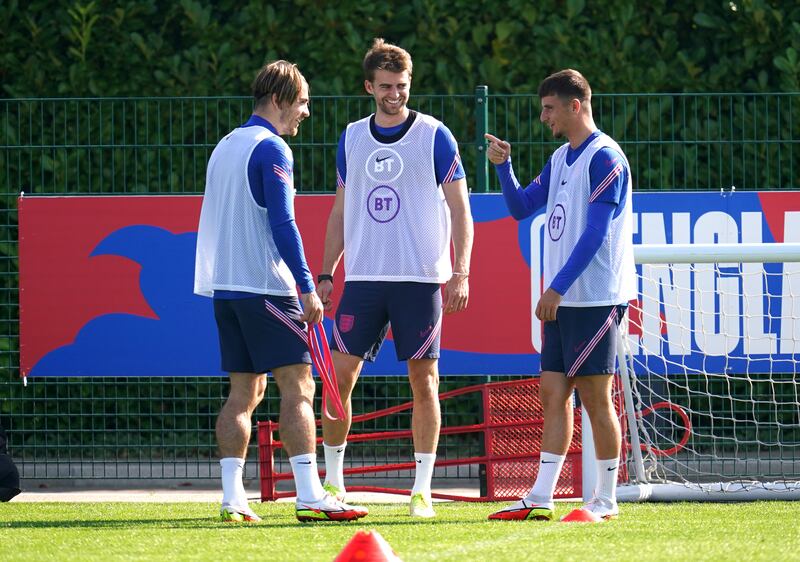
(198, 48)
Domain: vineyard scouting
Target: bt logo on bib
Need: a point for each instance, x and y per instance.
(555, 222)
(384, 165)
(383, 203)
(380, 163)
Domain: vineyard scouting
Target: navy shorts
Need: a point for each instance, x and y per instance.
(368, 308)
(582, 340)
(261, 333)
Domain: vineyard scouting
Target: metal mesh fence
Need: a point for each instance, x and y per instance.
(163, 428)
(674, 142)
(141, 428)
(161, 145)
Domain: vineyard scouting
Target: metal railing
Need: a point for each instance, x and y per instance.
(163, 428)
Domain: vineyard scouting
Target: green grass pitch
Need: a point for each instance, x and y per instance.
(461, 532)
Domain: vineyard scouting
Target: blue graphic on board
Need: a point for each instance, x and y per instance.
(182, 341)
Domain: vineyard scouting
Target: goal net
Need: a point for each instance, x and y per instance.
(709, 367)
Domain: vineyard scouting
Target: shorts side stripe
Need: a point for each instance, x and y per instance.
(593, 343)
(280, 315)
(338, 337)
(432, 336)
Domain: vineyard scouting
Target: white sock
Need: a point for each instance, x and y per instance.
(546, 479)
(233, 493)
(606, 486)
(306, 477)
(334, 464)
(424, 474)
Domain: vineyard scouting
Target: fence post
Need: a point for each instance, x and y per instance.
(481, 125)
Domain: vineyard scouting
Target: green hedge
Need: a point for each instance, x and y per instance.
(165, 48)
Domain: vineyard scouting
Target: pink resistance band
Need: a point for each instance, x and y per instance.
(321, 357)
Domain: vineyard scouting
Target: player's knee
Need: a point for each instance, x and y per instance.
(595, 390)
(346, 380)
(235, 409)
(424, 385)
(347, 369)
(299, 390)
(553, 398)
(306, 386)
(346, 388)
(600, 410)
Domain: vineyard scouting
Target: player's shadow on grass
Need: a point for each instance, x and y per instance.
(187, 522)
(207, 523)
(275, 520)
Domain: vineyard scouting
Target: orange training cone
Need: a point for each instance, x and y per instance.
(367, 546)
(581, 515)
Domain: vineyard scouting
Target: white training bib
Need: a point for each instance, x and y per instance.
(235, 249)
(396, 219)
(610, 277)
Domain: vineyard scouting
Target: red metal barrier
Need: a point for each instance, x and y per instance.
(512, 432)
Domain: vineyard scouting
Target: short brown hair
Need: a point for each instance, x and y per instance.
(566, 84)
(280, 78)
(385, 56)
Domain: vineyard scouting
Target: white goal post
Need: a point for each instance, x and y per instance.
(710, 375)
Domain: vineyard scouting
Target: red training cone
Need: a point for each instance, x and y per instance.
(367, 546)
(581, 515)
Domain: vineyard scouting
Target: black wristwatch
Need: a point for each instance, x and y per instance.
(324, 277)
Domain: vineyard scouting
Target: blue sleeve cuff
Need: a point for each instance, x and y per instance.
(504, 168)
(512, 194)
(521, 203)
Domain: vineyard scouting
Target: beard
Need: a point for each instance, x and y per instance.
(289, 120)
(392, 109)
(557, 134)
